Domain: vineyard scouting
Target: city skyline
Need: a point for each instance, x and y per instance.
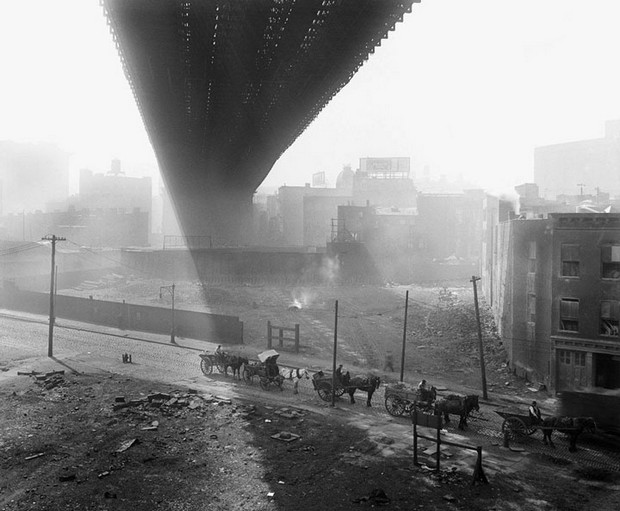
(463, 89)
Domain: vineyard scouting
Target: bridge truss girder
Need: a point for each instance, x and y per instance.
(224, 87)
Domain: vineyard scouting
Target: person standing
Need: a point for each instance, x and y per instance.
(389, 362)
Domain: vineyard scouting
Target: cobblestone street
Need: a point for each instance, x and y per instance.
(24, 339)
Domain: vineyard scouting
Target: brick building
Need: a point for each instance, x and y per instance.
(556, 298)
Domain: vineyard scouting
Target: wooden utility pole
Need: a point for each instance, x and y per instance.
(335, 351)
(402, 356)
(480, 345)
(50, 340)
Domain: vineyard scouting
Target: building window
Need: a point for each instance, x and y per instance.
(532, 250)
(610, 262)
(580, 359)
(610, 317)
(569, 314)
(564, 357)
(570, 260)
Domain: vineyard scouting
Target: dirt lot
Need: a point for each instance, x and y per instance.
(70, 442)
(442, 335)
(107, 441)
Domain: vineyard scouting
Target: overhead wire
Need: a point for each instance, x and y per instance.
(22, 248)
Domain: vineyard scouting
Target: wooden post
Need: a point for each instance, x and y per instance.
(439, 446)
(415, 440)
(269, 335)
(480, 345)
(334, 358)
(280, 337)
(296, 337)
(479, 475)
(402, 356)
(50, 338)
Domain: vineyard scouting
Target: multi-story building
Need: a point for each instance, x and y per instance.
(450, 225)
(573, 167)
(299, 205)
(113, 190)
(557, 298)
(306, 212)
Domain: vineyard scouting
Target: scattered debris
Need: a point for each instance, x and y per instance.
(288, 413)
(38, 455)
(126, 358)
(126, 445)
(285, 436)
(377, 497)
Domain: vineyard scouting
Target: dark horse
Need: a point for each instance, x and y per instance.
(426, 398)
(571, 426)
(234, 362)
(458, 405)
(368, 384)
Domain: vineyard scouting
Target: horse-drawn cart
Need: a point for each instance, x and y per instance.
(210, 360)
(401, 398)
(322, 383)
(517, 425)
(266, 370)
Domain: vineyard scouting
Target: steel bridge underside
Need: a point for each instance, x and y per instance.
(225, 87)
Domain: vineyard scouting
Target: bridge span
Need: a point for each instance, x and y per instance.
(224, 87)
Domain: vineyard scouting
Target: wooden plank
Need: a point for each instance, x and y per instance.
(426, 420)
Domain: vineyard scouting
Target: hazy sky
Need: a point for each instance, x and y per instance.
(464, 87)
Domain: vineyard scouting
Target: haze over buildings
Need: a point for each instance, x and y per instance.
(463, 88)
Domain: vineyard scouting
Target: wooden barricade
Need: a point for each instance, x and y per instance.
(434, 421)
(281, 336)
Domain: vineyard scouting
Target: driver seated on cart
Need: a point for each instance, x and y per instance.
(534, 412)
(339, 373)
(342, 377)
(271, 368)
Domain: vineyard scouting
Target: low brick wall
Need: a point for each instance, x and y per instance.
(126, 316)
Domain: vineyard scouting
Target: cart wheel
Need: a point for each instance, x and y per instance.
(325, 392)
(514, 426)
(394, 406)
(340, 391)
(206, 366)
(264, 383)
